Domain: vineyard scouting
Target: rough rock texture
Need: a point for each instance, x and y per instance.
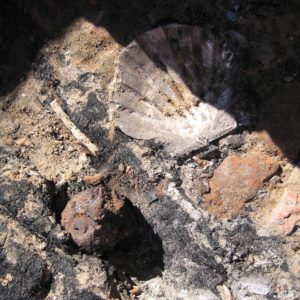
(97, 219)
(237, 181)
(31, 269)
(256, 285)
(286, 214)
(180, 250)
(174, 84)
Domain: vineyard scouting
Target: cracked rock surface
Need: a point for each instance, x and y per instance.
(175, 84)
(97, 220)
(220, 221)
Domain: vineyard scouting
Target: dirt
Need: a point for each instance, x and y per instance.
(182, 248)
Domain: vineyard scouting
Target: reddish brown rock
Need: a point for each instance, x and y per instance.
(98, 219)
(236, 181)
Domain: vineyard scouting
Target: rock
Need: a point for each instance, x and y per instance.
(155, 292)
(286, 214)
(93, 179)
(294, 264)
(257, 285)
(237, 180)
(224, 292)
(22, 271)
(192, 183)
(181, 248)
(164, 89)
(87, 269)
(31, 269)
(135, 290)
(232, 141)
(98, 219)
(209, 152)
(253, 284)
(121, 168)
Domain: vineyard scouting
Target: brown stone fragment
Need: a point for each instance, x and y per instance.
(236, 181)
(98, 219)
(135, 290)
(93, 179)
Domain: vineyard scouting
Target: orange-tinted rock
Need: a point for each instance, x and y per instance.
(286, 214)
(97, 219)
(93, 179)
(237, 181)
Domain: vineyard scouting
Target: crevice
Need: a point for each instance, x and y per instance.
(59, 199)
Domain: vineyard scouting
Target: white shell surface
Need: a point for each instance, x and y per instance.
(173, 84)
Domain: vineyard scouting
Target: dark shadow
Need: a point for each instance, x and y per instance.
(140, 255)
(26, 26)
(59, 199)
(280, 119)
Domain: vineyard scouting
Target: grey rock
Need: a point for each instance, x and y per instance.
(254, 286)
(157, 86)
(232, 141)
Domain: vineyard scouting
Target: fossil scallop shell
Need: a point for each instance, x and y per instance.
(174, 84)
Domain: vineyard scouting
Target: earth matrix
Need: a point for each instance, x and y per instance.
(161, 211)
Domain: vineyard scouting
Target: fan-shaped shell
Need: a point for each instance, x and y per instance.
(173, 84)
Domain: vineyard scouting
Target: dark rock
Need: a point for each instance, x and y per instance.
(209, 152)
(232, 141)
(98, 219)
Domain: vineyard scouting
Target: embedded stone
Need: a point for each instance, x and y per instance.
(98, 219)
(237, 181)
(175, 84)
